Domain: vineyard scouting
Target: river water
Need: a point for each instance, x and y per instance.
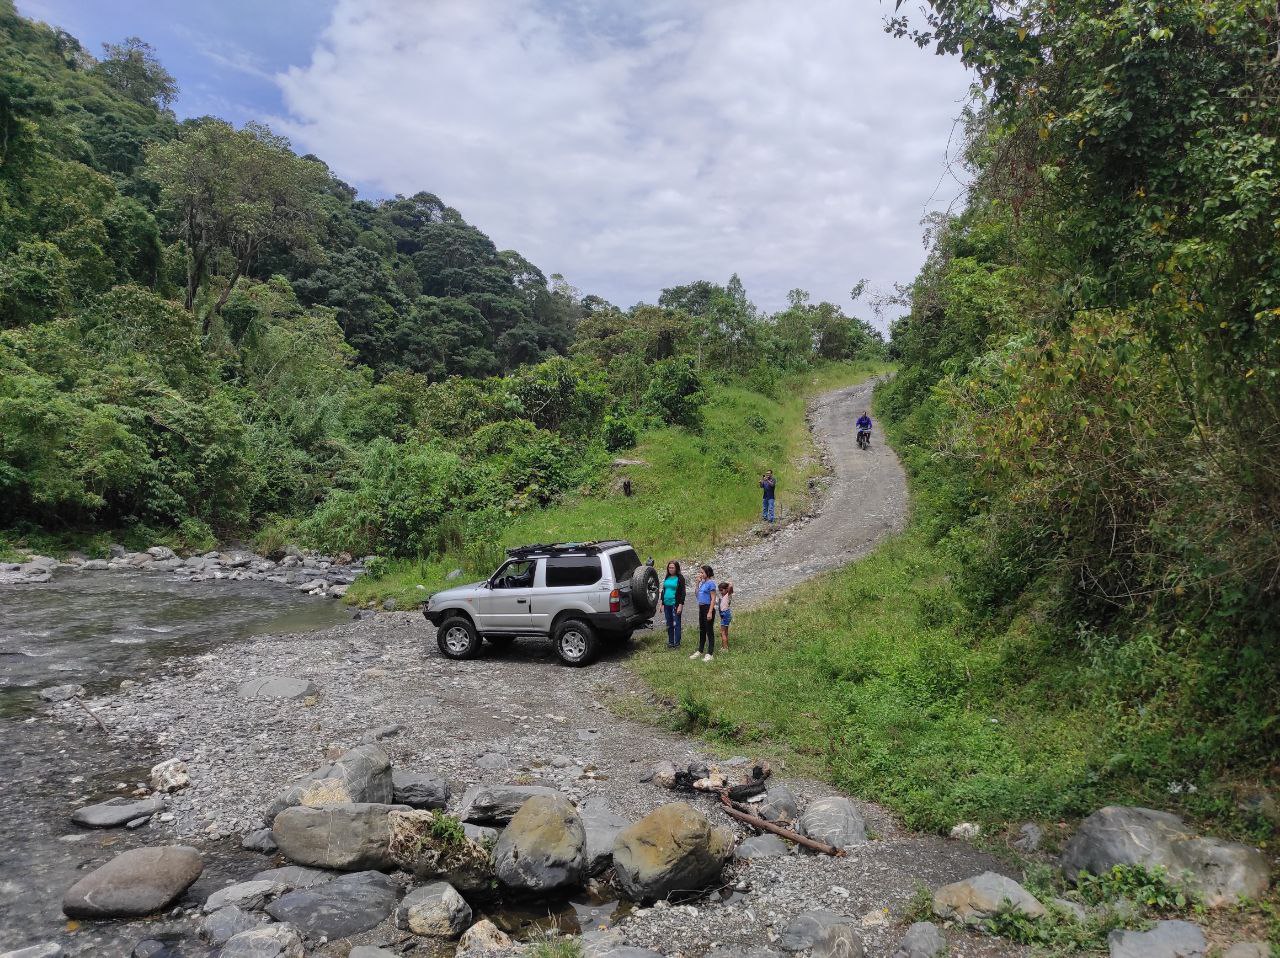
(96, 629)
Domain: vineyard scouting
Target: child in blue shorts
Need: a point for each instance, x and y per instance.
(724, 604)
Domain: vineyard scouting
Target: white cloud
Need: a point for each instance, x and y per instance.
(635, 146)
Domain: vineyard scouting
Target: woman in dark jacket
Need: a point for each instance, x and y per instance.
(673, 602)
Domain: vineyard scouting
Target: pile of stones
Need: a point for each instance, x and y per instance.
(308, 572)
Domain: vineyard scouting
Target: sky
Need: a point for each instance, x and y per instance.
(630, 145)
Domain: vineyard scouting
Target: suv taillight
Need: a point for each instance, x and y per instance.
(615, 601)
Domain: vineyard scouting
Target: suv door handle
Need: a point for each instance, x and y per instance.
(521, 601)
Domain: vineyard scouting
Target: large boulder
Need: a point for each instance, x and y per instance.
(134, 883)
(362, 774)
(1218, 872)
(498, 804)
(1168, 939)
(434, 846)
(116, 811)
(834, 821)
(351, 837)
(345, 906)
(543, 850)
(822, 934)
(975, 899)
(419, 789)
(602, 825)
(435, 910)
(671, 849)
(271, 941)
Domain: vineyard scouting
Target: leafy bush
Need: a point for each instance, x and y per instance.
(619, 433)
(675, 394)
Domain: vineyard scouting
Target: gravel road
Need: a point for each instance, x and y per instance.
(519, 715)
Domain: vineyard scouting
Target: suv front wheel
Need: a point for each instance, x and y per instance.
(457, 638)
(576, 642)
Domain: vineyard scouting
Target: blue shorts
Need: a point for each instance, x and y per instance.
(726, 616)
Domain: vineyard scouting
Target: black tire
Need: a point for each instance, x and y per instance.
(576, 642)
(501, 641)
(644, 589)
(457, 638)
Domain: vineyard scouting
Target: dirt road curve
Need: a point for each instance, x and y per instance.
(519, 715)
(864, 500)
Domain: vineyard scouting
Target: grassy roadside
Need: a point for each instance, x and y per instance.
(862, 677)
(692, 493)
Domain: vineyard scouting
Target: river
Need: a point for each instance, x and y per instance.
(96, 629)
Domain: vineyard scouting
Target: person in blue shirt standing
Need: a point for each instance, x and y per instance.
(673, 603)
(767, 486)
(707, 596)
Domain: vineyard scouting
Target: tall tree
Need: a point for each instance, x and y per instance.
(233, 191)
(132, 67)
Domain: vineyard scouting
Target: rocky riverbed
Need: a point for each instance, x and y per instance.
(517, 716)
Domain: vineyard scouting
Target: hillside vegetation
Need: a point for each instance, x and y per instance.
(1087, 608)
(204, 335)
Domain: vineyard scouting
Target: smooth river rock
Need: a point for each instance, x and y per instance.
(419, 789)
(348, 837)
(134, 883)
(1168, 939)
(345, 906)
(250, 895)
(923, 939)
(277, 687)
(822, 934)
(497, 804)
(974, 899)
(1218, 872)
(435, 911)
(834, 821)
(543, 851)
(116, 811)
(271, 941)
(361, 774)
(602, 825)
(673, 848)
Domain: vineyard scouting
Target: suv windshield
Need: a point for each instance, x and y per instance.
(624, 563)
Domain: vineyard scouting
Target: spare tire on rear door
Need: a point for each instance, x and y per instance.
(644, 589)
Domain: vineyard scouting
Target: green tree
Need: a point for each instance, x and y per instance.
(132, 67)
(233, 192)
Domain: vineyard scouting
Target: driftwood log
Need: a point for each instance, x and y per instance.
(730, 808)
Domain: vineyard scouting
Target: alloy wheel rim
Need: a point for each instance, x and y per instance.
(457, 639)
(573, 644)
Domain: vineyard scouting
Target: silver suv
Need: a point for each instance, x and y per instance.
(577, 593)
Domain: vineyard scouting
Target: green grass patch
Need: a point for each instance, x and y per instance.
(869, 678)
(694, 492)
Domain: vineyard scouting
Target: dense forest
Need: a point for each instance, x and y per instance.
(203, 334)
(1089, 386)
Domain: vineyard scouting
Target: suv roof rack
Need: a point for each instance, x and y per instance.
(551, 548)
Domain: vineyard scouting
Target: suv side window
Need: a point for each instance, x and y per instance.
(517, 574)
(572, 570)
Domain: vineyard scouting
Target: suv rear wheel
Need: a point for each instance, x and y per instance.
(576, 642)
(457, 638)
